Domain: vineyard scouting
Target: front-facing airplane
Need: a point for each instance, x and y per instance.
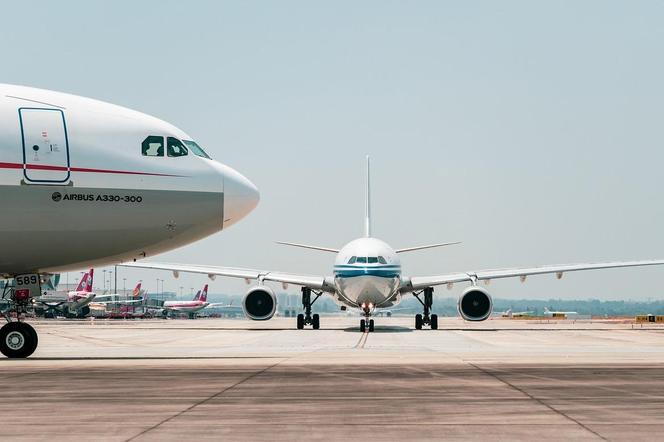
(367, 275)
(83, 182)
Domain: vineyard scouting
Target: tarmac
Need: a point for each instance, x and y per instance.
(155, 380)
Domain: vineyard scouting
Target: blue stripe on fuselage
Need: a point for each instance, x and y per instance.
(349, 271)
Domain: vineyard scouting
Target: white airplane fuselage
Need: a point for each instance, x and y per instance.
(185, 306)
(88, 182)
(367, 274)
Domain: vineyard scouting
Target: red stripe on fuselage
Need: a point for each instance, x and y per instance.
(78, 169)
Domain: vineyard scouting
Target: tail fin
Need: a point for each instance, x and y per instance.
(197, 296)
(204, 294)
(367, 208)
(137, 291)
(88, 287)
(86, 282)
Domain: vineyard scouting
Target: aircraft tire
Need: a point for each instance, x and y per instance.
(371, 325)
(434, 322)
(18, 340)
(300, 321)
(315, 321)
(363, 325)
(418, 321)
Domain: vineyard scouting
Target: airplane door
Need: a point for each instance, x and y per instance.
(45, 145)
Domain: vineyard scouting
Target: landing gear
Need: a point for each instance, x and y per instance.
(427, 303)
(367, 322)
(363, 325)
(371, 325)
(307, 318)
(18, 339)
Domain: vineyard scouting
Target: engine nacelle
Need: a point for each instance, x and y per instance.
(259, 303)
(475, 304)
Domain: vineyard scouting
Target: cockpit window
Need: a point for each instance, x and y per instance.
(153, 146)
(175, 148)
(361, 260)
(382, 260)
(352, 260)
(372, 259)
(196, 149)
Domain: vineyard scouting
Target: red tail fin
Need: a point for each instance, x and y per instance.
(204, 294)
(86, 282)
(137, 291)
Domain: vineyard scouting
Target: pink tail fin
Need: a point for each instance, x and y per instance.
(137, 291)
(204, 294)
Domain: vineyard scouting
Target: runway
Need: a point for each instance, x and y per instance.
(242, 380)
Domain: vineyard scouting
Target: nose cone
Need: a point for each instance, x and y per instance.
(240, 197)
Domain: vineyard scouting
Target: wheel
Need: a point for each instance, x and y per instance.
(434, 322)
(18, 340)
(315, 321)
(371, 325)
(300, 321)
(418, 321)
(363, 325)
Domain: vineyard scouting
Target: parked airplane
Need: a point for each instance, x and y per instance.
(84, 182)
(114, 299)
(510, 314)
(549, 314)
(367, 274)
(190, 307)
(74, 303)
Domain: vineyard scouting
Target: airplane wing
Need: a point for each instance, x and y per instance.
(314, 282)
(417, 283)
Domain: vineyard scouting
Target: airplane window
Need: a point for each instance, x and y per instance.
(196, 149)
(382, 260)
(352, 260)
(372, 259)
(361, 260)
(153, 146)
(175, 148)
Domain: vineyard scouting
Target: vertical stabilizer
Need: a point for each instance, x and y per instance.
(204, 294)
(367, 209)
(137, 291)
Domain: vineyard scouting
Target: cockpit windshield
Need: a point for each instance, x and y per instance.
(196, 149)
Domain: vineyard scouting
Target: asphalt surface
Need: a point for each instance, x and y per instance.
(242, 380)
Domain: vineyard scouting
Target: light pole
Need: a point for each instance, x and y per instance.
(110, 278)
(104, 278)
(124, 285)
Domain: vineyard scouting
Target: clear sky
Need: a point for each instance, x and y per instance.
(531, 131)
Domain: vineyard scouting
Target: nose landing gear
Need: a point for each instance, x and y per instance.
(427, 303)
(367, 322)
(307, 318)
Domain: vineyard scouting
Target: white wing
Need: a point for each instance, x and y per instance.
(314, 282)
(417, 283)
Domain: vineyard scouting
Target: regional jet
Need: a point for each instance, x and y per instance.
(74, 303)
(83, 182)
(190, 307)
(367, 275)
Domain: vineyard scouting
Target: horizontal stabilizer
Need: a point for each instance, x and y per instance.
(305, 246)
(429, 246)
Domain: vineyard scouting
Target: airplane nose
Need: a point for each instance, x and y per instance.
(240, 197)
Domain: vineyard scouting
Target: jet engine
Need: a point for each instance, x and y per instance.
(475, 304)
(259, 303)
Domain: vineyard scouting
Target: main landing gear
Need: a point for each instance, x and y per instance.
(17, 339)
(307, 318)
(426, 318)
(367, 322)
